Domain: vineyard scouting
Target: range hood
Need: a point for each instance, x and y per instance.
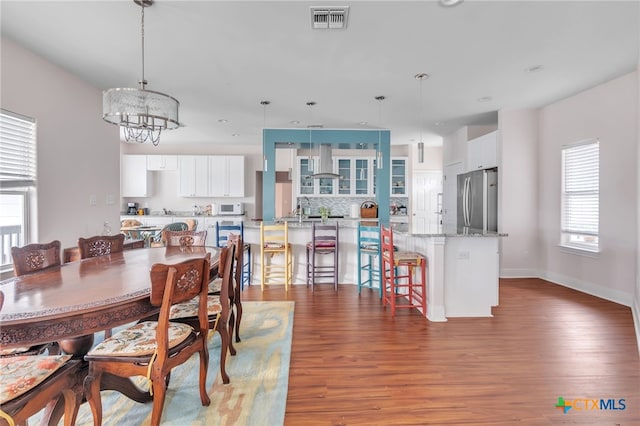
(325, 164)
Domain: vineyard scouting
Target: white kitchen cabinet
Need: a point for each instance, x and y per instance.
(193, 175)
(226, 175)
(399, 177)
(162, 162)
(354, 176)
(313, 186)
(482, 152)
(134, 178)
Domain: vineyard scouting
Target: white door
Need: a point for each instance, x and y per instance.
(425, 217)
(450, 194)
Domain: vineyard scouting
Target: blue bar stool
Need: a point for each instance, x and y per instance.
(369, 249)
(223, 229)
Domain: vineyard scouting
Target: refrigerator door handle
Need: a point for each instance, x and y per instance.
(467, 201)
(464, 202)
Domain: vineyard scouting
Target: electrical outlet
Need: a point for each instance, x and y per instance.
(109, 200)
(93, 200)
(463, 255)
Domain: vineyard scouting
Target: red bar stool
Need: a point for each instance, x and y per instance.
(399, 270)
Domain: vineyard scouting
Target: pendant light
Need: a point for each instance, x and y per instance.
(421, 77)
(310, 162)
(264, 126)
(141, 114)
(379, 147)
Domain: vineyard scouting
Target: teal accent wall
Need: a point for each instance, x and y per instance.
(344, 139)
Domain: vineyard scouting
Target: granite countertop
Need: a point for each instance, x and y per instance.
(452, 231)
(180, 214)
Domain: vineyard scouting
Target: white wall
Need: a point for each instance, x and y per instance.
(518, 192)
(78, 153)
(607, 112)
(636, 305)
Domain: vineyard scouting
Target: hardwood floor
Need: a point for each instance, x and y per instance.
(352, 364)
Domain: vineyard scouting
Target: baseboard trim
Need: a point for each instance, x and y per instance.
(589, 288)
(519, 273)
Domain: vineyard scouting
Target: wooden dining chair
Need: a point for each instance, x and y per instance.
(160, 239)
(218, 308)
(30, 259)
(101, 245)
(154, 348)
(31, 383)
(185, 238)
(236, 290)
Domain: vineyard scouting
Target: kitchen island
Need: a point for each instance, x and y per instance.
(463, 267)
(463, 270)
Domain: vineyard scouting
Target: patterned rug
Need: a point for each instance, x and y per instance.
(256, 395)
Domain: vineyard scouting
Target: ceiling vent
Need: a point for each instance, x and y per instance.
(329, 17)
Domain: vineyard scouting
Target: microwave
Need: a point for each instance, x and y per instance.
(230, 208)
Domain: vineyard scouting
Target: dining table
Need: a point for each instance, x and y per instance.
(69, 303)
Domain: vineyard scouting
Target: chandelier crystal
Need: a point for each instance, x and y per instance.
(141, 114)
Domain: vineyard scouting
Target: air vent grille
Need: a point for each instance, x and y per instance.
(329, 17)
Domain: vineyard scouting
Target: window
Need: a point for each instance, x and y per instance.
(581, 195)
(17, 181)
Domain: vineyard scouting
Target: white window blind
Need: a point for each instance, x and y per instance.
(17, 150)
(581, 195)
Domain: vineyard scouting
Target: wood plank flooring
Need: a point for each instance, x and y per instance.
(353, 364)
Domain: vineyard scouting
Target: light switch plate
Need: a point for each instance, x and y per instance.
(93, 200)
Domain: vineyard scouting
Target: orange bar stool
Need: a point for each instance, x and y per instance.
(324, 240)
(274, 240)
(399, 272)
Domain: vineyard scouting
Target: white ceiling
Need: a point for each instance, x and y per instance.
(221, 58)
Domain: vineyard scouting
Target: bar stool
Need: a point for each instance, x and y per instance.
(324, 240)
(369, 248)
(274, 239)
(399, 269)
(223, 229)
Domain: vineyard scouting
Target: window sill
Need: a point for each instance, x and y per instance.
(579, 251)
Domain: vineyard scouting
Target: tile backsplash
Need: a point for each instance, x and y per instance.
(341, 205)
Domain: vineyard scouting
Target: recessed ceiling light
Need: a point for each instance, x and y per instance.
(535, 68)
(437, 123)
(294, 122)
(485, 99)
(235, 134)
(223, 120)
(362, 123)
(450, 3)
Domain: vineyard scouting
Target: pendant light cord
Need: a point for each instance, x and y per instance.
(142, 82)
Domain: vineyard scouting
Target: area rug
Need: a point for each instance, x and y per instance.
(255, 396)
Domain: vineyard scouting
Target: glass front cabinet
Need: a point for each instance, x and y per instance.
(399, 177)
(308, 185)
(357, 177)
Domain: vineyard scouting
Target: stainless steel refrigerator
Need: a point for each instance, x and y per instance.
(478, 201)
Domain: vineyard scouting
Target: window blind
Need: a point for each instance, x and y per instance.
(581, 198)
(17, 150)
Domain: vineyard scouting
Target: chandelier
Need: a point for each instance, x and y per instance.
(141, 114)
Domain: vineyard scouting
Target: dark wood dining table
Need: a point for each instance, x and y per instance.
(69, 303)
